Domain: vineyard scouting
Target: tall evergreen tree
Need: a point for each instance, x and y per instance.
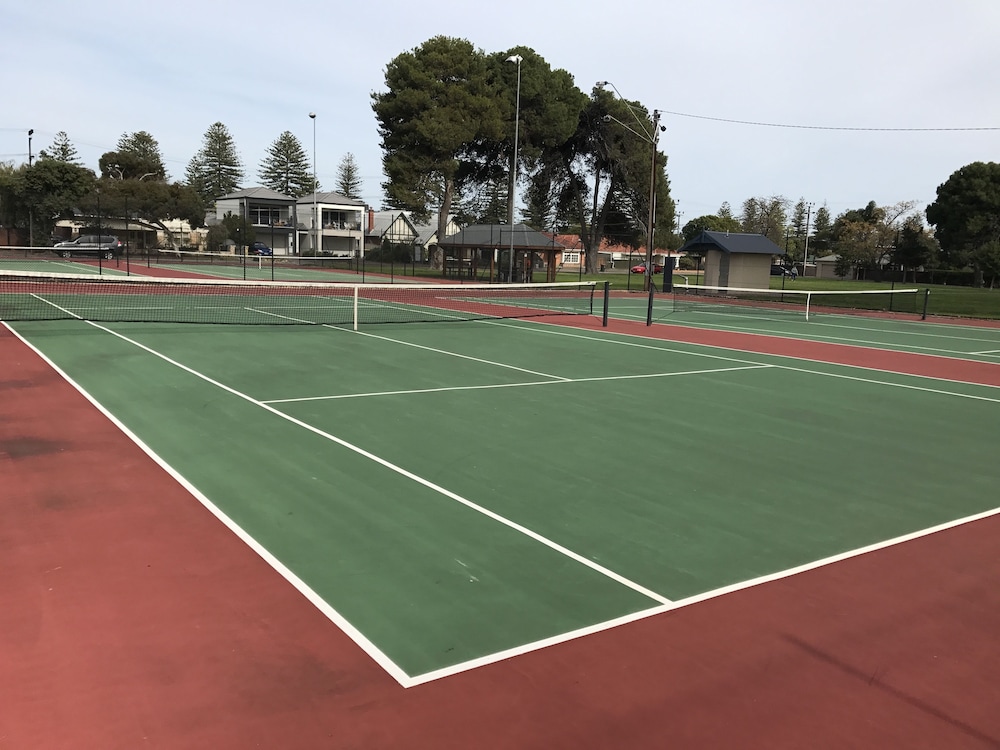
(349, 177)
(439, 103)
(216, 169)
(286, 168)
(137, 157)
(62, 149)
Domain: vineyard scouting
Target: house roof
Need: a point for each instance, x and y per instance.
(427, 233)
(382, 221)
(500, 236)
(732, 242)
(260, 193)
(330, 198)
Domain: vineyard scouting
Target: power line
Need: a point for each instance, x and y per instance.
(823, 127)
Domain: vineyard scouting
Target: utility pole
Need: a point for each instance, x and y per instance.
(805, 253)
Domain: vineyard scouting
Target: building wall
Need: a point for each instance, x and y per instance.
(745, 270)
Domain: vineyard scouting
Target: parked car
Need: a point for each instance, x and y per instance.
(105, 245)
(780, 270)
(259, 248)
(641, 268)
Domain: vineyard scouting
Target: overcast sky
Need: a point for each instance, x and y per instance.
(100, 68)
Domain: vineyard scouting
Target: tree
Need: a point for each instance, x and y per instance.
(285, 169)
(966, 216)
(50, 189)
(915, 246)
(349, 177)
(439, 102)
(822, 231)
(216, 169)
(766, 216)
(601, 175)
(137, 156)
(709, 223)
(866, 237)
(61, 149)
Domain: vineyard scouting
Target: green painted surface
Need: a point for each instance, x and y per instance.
(680, 483)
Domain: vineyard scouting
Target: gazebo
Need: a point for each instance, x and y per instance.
(487, 248)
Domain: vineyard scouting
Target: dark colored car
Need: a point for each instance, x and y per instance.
(105, 245)
(641, 268)
(259, 248)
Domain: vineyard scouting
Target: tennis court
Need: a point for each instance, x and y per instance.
(462, 494)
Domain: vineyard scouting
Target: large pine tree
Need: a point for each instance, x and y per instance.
(62, 149)
(286, 169)
(216, 169)
(349, 177)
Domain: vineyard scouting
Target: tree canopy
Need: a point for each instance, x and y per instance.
(285, 169)
(136, 157)
(439, 103)
(216, 169)
(62, 149)
(349, 178)
(966, 217)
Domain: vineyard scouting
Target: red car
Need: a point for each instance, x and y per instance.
(641, 268)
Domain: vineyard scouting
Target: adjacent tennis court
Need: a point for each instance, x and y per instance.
(456, 494)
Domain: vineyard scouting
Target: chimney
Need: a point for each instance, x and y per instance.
(371, 220)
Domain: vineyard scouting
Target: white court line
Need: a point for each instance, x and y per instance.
(564, 381)
(552, 331)
(868, 343)
(315, 599)
(677, 604)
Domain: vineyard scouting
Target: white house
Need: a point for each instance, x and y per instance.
(330, 224)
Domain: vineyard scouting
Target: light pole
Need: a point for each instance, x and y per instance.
(312, 116)
(652, 138)
(31, 213)
(516, 59)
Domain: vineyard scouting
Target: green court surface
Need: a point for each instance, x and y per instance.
(456, 492)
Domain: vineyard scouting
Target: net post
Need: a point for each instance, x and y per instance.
(649, 307)
(607, 297)
(808, 300)
(927, 297)
(357, 289)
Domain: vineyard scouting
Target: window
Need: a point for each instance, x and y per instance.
(572, 257)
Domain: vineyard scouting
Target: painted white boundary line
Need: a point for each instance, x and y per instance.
(617, 622)
(562, 381)
(865, 343)
(638, 343)
(315, 599)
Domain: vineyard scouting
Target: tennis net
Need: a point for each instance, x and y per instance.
(721, 300)
(56, 296)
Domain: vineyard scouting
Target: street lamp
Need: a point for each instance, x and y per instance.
(312, 116)
(651, 137)
(31, 213)
(516, 59)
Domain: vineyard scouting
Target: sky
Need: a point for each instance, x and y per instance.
(876, 98)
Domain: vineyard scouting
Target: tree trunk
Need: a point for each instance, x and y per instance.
(437, 256)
